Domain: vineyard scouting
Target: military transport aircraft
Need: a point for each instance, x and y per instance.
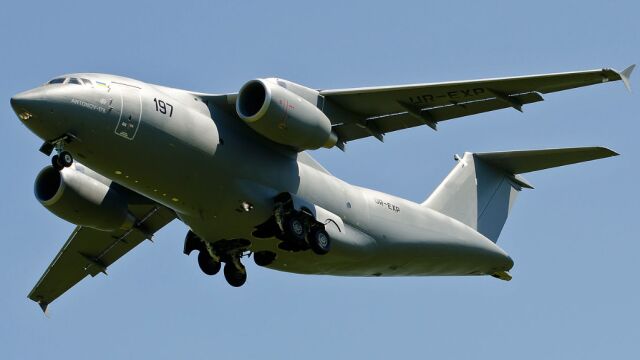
(130, 157)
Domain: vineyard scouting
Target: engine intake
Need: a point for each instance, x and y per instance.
(82, 200)
(284, 117)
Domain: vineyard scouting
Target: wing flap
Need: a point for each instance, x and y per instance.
(409, 119)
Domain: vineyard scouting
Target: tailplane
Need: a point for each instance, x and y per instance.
(482, 187)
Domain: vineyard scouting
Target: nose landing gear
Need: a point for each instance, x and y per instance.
(62, 160)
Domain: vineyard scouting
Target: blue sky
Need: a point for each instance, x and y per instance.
(575, 289)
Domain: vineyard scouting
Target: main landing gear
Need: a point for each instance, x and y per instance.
(298, 230)
(211, 257)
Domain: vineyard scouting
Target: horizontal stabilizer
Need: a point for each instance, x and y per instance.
(524, 161)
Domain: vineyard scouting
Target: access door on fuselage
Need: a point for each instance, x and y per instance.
(130, 109)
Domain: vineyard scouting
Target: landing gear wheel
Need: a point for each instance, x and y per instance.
(56, 163)
(208, 265)
(192, 242)
(294, 229)
(264, 258)
(65, 159)
(319, 241)
(235, 276)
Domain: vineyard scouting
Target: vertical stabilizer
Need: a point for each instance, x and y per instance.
(482, 187)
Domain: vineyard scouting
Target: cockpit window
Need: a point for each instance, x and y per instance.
(56, 81)
(87, 82)
(74, 81)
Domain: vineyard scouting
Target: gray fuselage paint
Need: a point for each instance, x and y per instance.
(202, 161)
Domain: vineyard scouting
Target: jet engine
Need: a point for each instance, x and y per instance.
(82, 200)
(283, 117)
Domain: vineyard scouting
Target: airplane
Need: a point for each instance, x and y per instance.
(130, 157)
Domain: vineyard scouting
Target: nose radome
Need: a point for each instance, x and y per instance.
(28, 103)
(26, 98)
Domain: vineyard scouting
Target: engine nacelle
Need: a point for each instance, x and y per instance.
(283, 117)
(82, 200)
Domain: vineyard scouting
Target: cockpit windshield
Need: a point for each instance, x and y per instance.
(56, 81)
(71, 80)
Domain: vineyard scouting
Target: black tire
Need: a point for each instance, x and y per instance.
(234, 276)
(65, 159)
(264, 258)
(319, 241)
(207, 264)
(294, 229)
(55, 163)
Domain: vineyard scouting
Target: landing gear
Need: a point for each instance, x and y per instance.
(264, 258)
(235, 274)
(208, 265)
(62, 160)
(298, 229)
(212, 255)
(294, 229)
(55, 163)
(65, 159)
(319, 241)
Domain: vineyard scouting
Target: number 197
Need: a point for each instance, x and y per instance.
(162, 106)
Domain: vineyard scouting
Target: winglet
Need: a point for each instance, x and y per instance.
(625, 75)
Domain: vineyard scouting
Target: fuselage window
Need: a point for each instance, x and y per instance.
(56, 81)
(74, 81)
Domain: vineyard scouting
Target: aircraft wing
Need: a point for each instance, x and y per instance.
(90, 252)
(379, 110)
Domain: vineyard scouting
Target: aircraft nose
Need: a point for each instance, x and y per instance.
(26, 103)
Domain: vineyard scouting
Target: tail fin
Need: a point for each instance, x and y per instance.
(482, 187)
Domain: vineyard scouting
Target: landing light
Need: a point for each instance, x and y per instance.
(25, 115)
(246, 207)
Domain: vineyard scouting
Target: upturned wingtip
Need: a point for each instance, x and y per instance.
(625, 75)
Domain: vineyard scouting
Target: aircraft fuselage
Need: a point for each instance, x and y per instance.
(220, 177)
